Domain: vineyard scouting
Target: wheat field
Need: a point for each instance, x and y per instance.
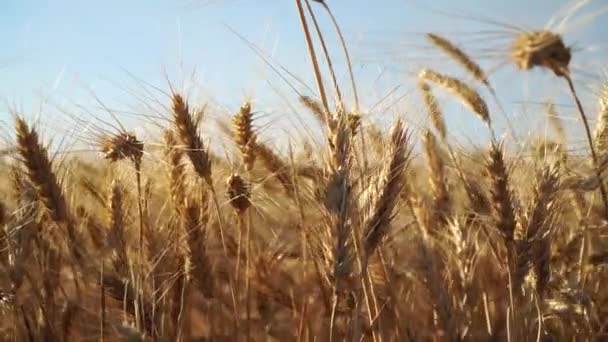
(360, 238)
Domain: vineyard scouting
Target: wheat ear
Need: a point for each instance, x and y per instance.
(468, 96)
(39, 170)
(391, 183)
(244, 135)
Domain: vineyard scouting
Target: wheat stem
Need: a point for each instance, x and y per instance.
(313, 56)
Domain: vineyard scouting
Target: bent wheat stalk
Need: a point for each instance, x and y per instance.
(546, 49)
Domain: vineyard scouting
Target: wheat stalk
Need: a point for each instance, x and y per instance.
(546, 49)
(312, 54)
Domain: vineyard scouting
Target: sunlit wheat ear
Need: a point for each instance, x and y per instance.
(458, 88)
(459, 56)
(244, 135)
(377, 224)
(439, 190)
(541, 49)
(187, 134)
(601, 126)
(40, 171)
(122, 146)
(432, 107)
(238, 192)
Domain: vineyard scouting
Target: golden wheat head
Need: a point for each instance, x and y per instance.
(541, 49)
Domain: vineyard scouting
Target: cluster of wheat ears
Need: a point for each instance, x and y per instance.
(355, 241)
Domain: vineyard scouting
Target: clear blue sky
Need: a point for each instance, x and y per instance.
(65, 50)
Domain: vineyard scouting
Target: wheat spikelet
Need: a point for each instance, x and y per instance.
(187, 134)
(433, 109)
(439, 190)
(238, 192)
(467, 95)
(541, 49)
(391, 182)
(459, 56)
(244, 135)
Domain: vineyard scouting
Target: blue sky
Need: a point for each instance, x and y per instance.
(57, 53)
